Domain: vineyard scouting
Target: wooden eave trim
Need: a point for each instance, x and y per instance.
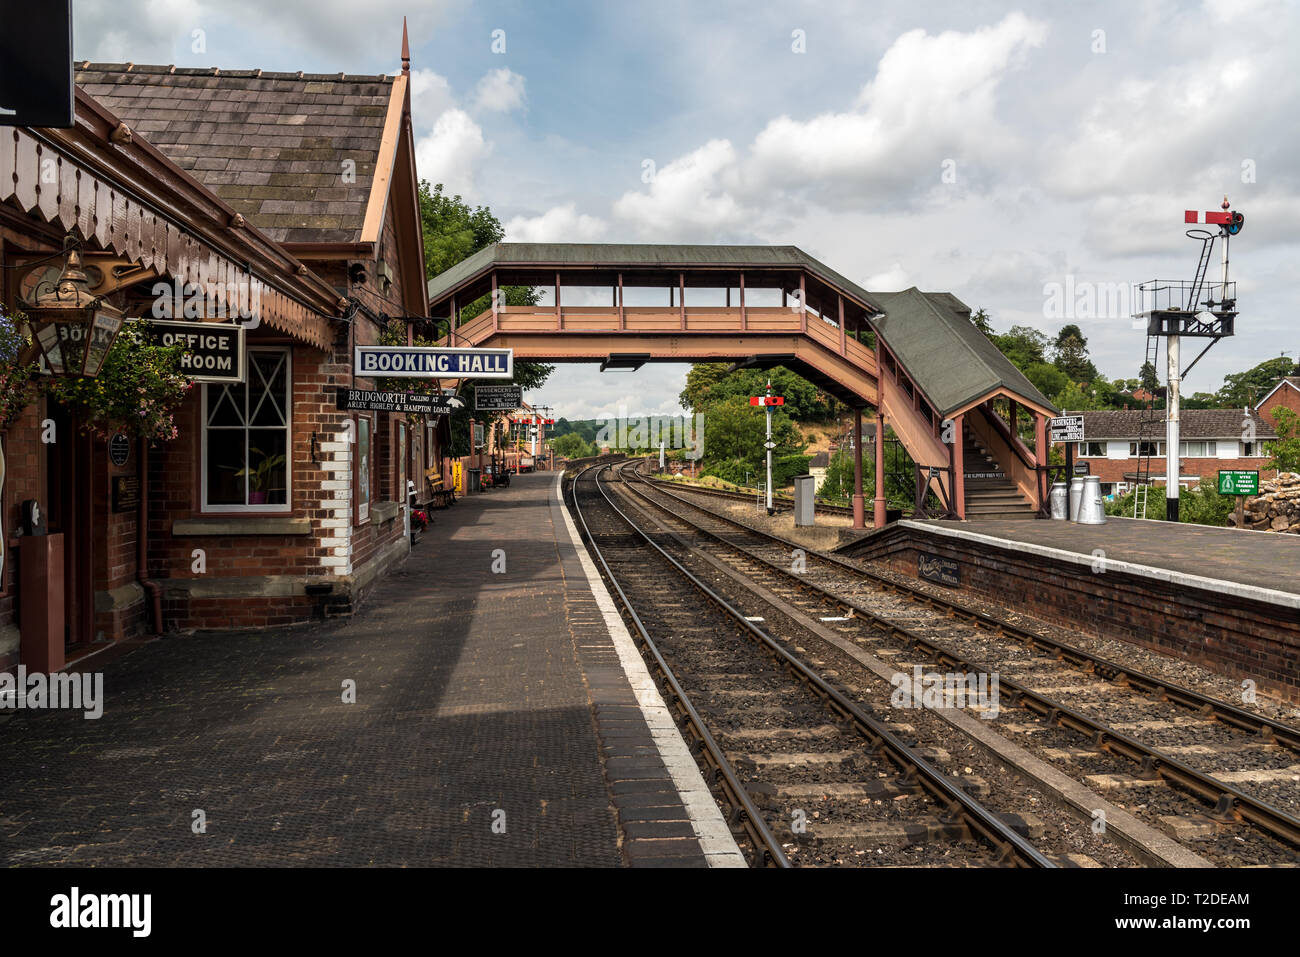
(379, 186)
(416, 294)
(331, 252)
(993, 394)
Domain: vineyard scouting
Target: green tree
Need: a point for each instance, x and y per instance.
(1149, 378)
(708, 383)
(1243, 389)
(1070, 354)
(1073, 398)
(1048, 379)
(734, 432)
(1285, 450)
(573, 446)
(980, 319)
(1023, 345)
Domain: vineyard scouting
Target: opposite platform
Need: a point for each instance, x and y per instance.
(497, 721)
(1226, 599)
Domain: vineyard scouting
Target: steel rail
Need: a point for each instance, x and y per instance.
(957, 804)
(768, 847)
(1267, 728)
(1230, 803)
(784, 501)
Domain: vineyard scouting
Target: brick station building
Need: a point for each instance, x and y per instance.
(1211, 440)
(298, 190)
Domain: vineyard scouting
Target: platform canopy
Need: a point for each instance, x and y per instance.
(953, 362)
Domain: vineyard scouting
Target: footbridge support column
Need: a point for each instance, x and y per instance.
(878, 513)
(859, 503)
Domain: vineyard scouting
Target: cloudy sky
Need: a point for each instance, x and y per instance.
(987, 149)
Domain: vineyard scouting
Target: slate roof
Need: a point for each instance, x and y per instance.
(1193, 424)
(632, 255)
(951, 360)
(271, 145)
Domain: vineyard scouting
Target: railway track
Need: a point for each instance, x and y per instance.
(1221, 778)
(776, 734)
(780, 503)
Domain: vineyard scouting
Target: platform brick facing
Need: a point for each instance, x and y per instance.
(1227, 634)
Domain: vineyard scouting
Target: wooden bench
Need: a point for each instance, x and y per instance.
(441, 495)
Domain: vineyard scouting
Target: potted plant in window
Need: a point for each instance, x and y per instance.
(260, 475)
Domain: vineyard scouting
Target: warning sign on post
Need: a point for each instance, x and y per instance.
(1066, 428)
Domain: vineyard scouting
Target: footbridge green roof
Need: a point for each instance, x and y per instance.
(635, 256)
(945, 354)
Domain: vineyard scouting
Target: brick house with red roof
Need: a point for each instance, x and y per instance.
(1211, 440)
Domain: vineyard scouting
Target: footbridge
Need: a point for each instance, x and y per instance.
(952, 399)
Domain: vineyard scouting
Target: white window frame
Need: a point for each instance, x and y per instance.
(1083, 453)
(273, 507)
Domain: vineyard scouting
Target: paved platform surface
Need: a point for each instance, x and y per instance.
(493, 725)
(1259, 559)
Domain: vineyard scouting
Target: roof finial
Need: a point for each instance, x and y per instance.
(406, 49)
(1226, 204)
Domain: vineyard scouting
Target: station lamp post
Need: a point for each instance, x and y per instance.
(72, 328)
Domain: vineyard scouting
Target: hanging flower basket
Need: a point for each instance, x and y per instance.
(137, 391)
(18, 385)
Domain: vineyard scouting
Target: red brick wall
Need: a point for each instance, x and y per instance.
(1286, 397)
(24, 479)
(1113, 470)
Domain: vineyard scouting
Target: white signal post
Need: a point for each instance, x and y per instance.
(767, 407)
(767, 400)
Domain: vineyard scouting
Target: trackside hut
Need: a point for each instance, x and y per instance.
(227, 181)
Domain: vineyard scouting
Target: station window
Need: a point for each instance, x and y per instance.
(1092, 449)
(1250, 449)
(363, 468)
(246, 437)
(1197, 450)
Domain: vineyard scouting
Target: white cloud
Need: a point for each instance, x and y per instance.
(451, 152)
(149, 34)
(932, 99)
(891, 280)
(431, 97)
(562, 224)
(691, 196)
(499, 91)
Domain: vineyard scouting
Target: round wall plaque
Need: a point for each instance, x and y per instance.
(119, 449)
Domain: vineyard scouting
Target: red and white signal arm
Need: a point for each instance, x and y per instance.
(767, 400)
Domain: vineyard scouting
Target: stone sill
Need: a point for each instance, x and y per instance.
(241, 526)
(383, 512)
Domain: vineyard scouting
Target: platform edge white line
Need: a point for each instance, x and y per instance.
(719, 847)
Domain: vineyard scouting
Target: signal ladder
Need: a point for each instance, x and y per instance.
(1148, 429)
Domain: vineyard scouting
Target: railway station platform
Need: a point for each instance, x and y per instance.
(502, 717)
(1224, 598)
